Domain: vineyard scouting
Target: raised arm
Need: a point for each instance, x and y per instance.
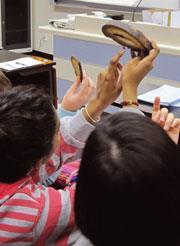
(78, 94)
(166, 120)
(108, 89)
(132, 74)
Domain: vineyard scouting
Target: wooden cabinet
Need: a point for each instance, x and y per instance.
(16, 24)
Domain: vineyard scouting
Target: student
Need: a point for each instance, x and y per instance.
(31, 214)
(128, 189)
(74, 99)
(29, 134)
(77, 95)
(132, 73)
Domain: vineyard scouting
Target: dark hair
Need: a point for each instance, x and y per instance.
(27, 128)
(128, 190)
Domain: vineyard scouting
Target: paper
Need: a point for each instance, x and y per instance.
(169, 95)
(19, 63)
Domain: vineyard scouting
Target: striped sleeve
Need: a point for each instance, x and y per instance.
(17, 219)
(57, 217)
(74, 131)
(38, 216)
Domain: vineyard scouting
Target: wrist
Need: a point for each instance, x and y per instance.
(129, 94)
(130, 103)
(67, 107)
(89, 118)
(63, 112)
(130, 98)
(94, 110)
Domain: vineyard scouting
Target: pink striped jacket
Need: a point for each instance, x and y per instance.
(32, 214)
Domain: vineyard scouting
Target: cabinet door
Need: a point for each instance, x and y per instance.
(16, 24)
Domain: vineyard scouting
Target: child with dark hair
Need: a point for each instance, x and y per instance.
(128, 189)
(31, 214)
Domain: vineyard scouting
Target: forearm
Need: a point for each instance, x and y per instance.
(130, 96)
(75, 130)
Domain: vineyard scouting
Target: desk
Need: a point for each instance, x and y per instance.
(147, 107)
(41, 75)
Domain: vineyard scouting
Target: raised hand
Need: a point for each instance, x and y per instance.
(134, 71)
(78, 94)
(166, 120)
(108, 87)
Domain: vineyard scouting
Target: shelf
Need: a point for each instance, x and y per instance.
(166, 38)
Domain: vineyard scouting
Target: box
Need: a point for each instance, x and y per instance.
(160, 17)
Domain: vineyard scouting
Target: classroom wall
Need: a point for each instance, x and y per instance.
(42, 11)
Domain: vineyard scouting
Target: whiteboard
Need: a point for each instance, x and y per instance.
(169, 4)
(164, 4)
(128, 3)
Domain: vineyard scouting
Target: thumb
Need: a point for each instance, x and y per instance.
(76, 84)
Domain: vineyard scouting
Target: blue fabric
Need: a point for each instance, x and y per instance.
(62, 112)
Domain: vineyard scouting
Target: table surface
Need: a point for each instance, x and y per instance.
(6, 55)
(147, 107)
(43, 73)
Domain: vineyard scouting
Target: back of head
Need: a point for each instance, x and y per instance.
(128, 190)
(27, 127)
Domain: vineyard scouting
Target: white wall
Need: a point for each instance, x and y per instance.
(42, 11)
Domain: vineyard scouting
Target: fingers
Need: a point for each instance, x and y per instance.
(169, 121)
(148, 61)
(120, 66)
(75, 85)
(114, 63)
(87, 87)
(159, 116)
(156, 113)
(154, 45)
(152, 54)
(176, 123)
(163, 116)
(156, 105)
(134, 61)
(87, 82)
(156, 116)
